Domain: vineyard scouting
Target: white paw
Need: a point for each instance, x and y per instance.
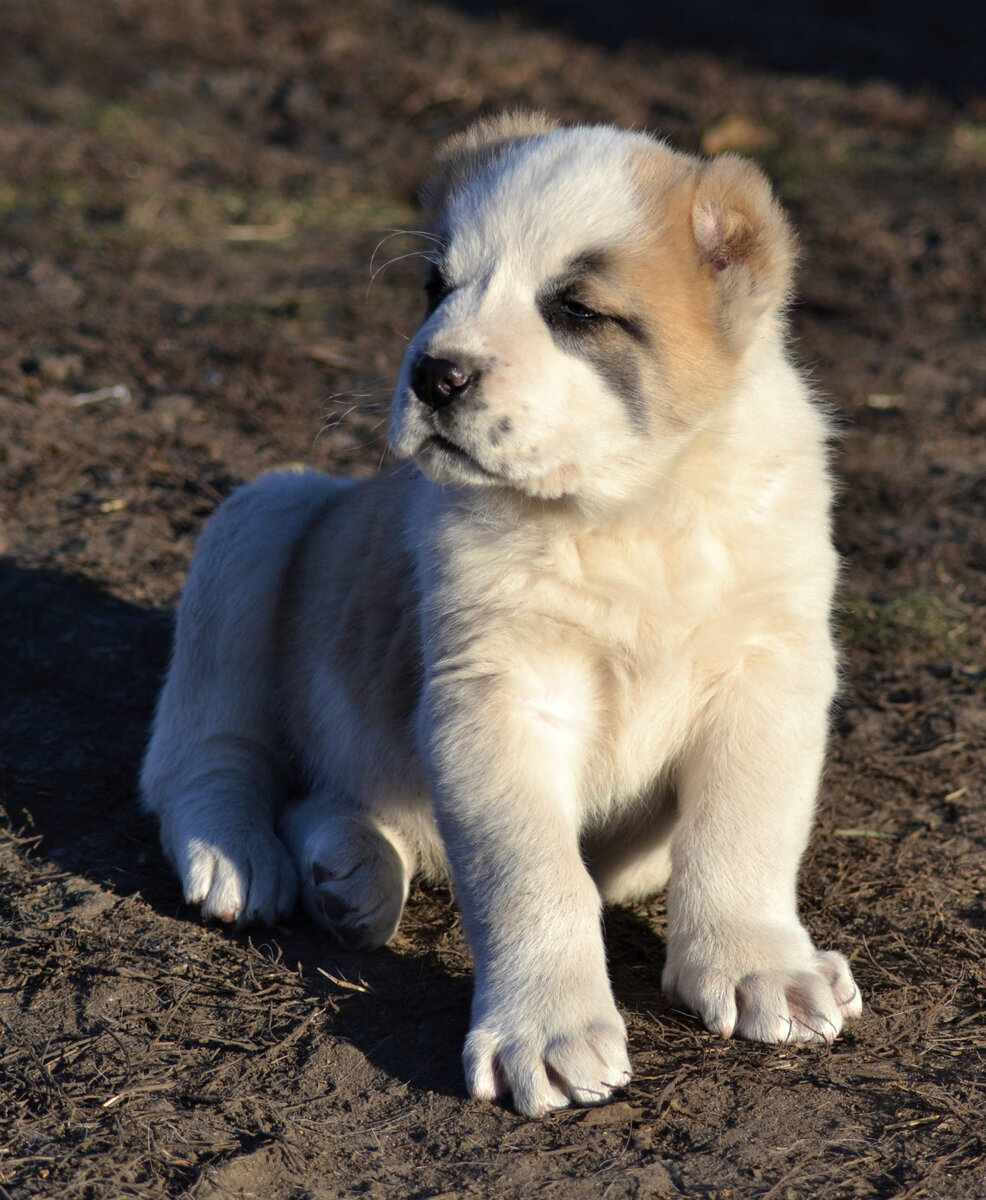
(560, 1059)
(805, 996)
(354, 882)
(242, 878)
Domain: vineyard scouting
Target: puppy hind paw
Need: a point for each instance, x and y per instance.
(248, 880)
(355, 887)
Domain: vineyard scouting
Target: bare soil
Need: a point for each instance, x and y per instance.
(193, 205)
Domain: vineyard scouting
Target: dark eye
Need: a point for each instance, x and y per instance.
(567, 316)
(437, 287)
(577, 311)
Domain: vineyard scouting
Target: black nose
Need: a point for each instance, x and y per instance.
(439, 381)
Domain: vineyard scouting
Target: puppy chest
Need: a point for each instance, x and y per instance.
(613, 708)
(629, 646)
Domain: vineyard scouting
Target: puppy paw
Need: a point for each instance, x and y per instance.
(549, 1064)
(354, 883)
(803, 997)
(242, 879)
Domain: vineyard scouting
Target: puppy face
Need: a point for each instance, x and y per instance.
(590, 297)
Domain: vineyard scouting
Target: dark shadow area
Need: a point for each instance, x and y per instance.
(410, 1015)
(81, 670)
(911, 43)
(635, 953)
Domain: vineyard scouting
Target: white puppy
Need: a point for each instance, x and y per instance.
(575, 648)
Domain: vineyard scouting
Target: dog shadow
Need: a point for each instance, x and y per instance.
(81, 670)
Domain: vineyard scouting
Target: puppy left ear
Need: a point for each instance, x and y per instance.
(745, 244)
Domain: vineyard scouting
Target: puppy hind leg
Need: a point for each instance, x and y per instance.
(217, 830)
(210, 772)
(355, 872)
(631, 859)
(637, 878)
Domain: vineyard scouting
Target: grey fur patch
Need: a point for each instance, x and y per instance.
(609, 341)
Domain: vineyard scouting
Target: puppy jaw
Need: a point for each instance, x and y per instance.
(689, 261)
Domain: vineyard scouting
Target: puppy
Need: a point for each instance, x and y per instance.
(573, 648)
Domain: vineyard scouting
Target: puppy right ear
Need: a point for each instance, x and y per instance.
(745, 243)
(468, 154)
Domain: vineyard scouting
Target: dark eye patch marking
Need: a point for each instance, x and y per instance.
(622, 373)
(609, 341)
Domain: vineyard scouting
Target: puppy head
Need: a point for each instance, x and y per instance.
(590, 298)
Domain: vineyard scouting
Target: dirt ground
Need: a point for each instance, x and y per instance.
(193, 202)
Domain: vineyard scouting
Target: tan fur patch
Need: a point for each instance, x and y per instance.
(677, 291)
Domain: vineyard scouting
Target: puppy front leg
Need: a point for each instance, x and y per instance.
(737, 953)
(544, 1023)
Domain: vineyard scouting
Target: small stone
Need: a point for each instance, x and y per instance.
(737, 133)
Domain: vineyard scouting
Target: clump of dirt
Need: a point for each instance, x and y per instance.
(197, 204)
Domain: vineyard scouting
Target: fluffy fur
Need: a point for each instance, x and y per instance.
(574, 648)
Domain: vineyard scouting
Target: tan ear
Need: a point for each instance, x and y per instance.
(468, 154)
(744, 242)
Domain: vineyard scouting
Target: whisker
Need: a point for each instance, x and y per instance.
(366, 433)
(426, 255)
(381, 391)
(374, 401)
(333, 419)
(383, 456)
(403, 233)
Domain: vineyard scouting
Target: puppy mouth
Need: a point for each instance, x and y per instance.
(451, 457)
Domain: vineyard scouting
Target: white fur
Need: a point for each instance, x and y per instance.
(583, 656)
